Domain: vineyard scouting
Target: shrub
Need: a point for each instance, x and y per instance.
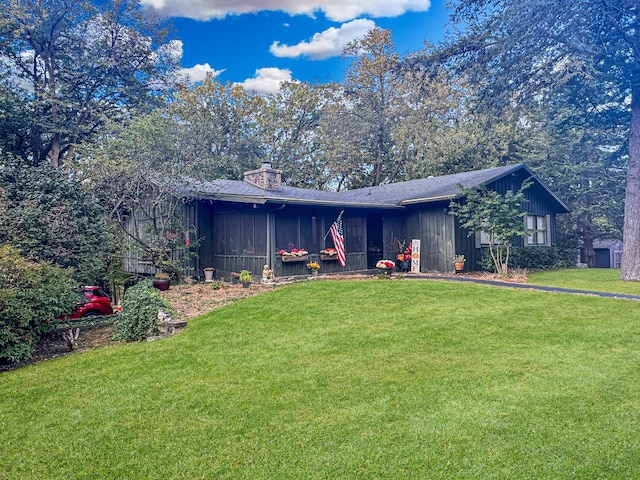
(140, 306)
(535, 258)
(52, 218)
(31, 294)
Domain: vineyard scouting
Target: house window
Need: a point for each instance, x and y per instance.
(485, 238)
(537, 229)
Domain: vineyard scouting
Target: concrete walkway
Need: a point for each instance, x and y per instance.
(524, 286)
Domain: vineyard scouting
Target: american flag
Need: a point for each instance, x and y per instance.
(338, 238)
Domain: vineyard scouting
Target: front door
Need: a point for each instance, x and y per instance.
(374, 240)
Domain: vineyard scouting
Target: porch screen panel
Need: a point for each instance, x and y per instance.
(310, 235)
(287, 232)
(219, 235)
(247, 245)
(354, 234)
(233, 245)
(260, 234)
(327, 242)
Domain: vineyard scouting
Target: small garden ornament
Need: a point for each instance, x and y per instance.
(267, 275)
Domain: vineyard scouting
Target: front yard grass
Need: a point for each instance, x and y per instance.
(591, 279)
(345, 379)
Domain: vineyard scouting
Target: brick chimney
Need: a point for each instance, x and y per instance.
(265, 177)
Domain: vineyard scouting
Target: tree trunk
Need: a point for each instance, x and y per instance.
(54, 153)
(630, 267)
(587, 245)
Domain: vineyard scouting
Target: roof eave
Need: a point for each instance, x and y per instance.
(414, 201)
(294, 201)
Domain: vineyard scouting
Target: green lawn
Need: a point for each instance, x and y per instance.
(594, 279)
(345, 380)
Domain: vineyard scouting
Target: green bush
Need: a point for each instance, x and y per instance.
(31, 294)
(535, 258)
(52, 218)
(139, 315)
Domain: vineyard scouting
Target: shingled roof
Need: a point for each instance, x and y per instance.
(392, 195)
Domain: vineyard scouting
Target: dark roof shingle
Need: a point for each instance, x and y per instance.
(390, 195)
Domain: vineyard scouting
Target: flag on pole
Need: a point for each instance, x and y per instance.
(338, 238)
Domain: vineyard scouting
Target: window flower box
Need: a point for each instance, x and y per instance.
(328, 254)
(294, 255)
(297, 258)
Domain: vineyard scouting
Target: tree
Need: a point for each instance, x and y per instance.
(51, 218)
(135, 167)
(444, 129)
(373, 99)
(290, 136)
(585, 166)
(498, 216)
(214, 130)
(517, 52)
(74, 66)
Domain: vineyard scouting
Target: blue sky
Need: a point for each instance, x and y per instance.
(259, 43)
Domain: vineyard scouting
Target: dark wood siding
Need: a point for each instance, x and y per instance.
(393, 233)
(235, 237)
(172, 216)
(538, 201)
(437, 231)
(466, 245)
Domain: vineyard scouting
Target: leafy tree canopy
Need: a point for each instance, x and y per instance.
(74, 65)
(586, 51)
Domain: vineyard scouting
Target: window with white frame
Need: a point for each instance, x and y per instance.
(537, 229)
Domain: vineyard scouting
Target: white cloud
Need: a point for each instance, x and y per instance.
(336, 10)
(197, 73)
(267, 80)
(329, 43)
(173, 49)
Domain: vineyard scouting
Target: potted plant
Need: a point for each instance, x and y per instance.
(209, 274)
(404, 256)
(313, 267)
(161, 281)
(458, 261)
(235, 276)
(245, 278)
(386, 266)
